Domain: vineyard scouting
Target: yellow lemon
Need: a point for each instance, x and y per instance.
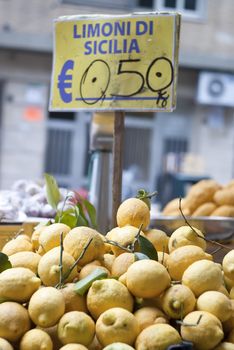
(76, 327)
(147, 278)
(73, 301)
(228, 283)
(159, 239)
(52, 332)
(123, 279)
(35, 236)
(201, 276)
(134, 212)
(108, 293)
(18, 284)
(29, 260)
(49, 267)
(50, 236)
(17, 245)
(14, 321)
(178, 301)
(228, 265)
(73, 347)
(5, 345)
(46, 306)
(87, 269)
(116, 325)
(118, 346)
(23, 236)
(108, 260)
(157, 336)
(76, 240)
(203, 329)
(124, 236)
(181, 258)
(147, 316)
(122, 263)
(216, 303)
(36, 339)
(184, 235)
(225, 346)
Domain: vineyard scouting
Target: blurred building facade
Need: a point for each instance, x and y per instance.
(198, 137)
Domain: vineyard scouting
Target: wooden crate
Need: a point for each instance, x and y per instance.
(7, 232)
(10, 230)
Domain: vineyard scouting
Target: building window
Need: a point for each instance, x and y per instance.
(146, 3)
(193, 9)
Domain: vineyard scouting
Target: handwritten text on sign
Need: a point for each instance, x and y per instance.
(114, 63)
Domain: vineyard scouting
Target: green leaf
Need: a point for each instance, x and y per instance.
(4, 262)
(83, 285)
(52, 191)
(91, 212)
(147, 248)
(81, 219)
(68, 217)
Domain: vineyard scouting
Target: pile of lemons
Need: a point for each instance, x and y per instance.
(143, 304)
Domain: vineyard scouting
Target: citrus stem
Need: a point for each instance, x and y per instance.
(66, 275)
(150, 195)
(64, 202)
(190, 324)
(136, 238)
(61, 259)
(109, 241)
(204, 238)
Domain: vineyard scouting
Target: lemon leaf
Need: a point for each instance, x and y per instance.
(4, 262)
(91, 213)
(52, 191)
(81, 219)
(147, 248)
(83, 285)
(68, 217)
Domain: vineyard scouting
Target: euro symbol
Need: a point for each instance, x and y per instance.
(65, 81)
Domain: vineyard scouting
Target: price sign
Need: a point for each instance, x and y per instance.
(109, 63)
